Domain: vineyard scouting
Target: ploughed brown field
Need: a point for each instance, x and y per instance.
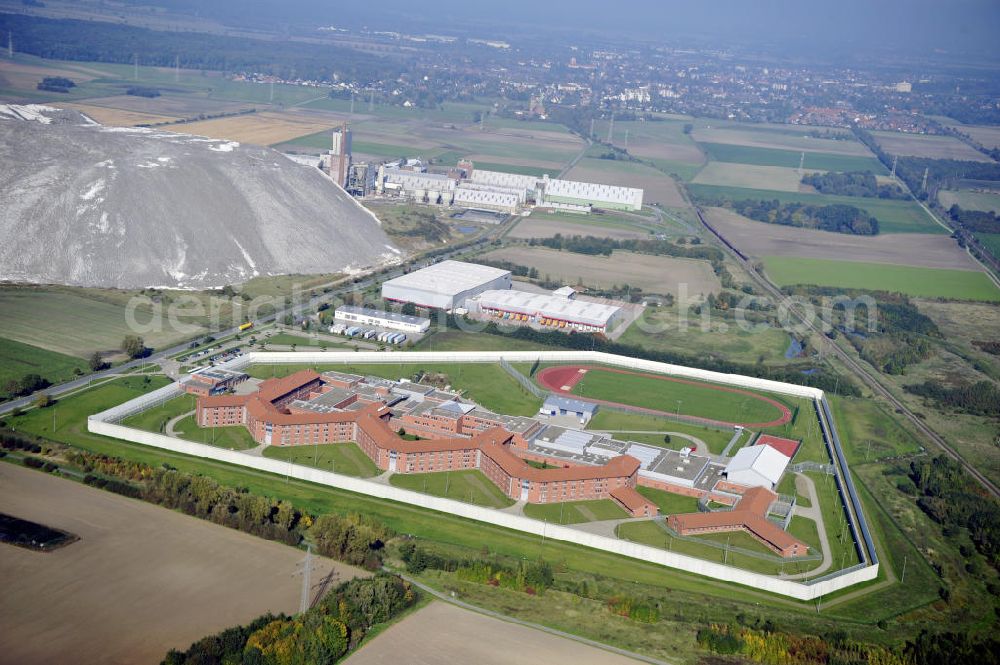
(140, 581)
(443, 634)
(908, 249)
(653, 274)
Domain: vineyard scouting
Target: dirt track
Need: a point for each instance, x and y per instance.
(141, 580)
(442, 634)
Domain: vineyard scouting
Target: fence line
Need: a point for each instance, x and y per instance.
(525, 382)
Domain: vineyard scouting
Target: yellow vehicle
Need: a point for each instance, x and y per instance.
(246, 326)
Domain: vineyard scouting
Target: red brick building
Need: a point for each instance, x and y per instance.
(749, 515)
(282, 413)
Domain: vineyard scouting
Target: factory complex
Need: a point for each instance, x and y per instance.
(468, 187)
(487, 292)
(452, 433)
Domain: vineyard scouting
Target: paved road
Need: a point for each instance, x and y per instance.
(804, 482)
(160, 356)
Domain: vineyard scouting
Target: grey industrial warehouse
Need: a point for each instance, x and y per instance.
(445, 285)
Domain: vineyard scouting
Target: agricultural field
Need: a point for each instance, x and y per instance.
(748, 176)
(136, 565)
(985, 201)
(18, 359)
(653, 274)
(929, 146)
(913, 281)
(662, 142)
(761, 239)
(345, 458)
(812, 161)
(469, 485)
(263, 128)
(117, 117)
(665, 329)
(778, 137)
(893, 216)
(988, 136)
(575, 512)
(426, 642)
(658, 187)
(991, 241)
(77, 322)
(610, 225)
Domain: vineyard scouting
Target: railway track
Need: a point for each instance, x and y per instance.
(856, 367)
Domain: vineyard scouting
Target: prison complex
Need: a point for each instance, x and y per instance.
(453, 433)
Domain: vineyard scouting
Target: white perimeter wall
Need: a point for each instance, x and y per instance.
(105, 424)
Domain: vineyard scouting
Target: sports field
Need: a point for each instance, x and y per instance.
(575, 512)
(140, 581)
(925, 282)
(893, 216)
(665, 395)
(653, 274)
(18, 359)
(815, 161)
(469, 485)
(345, 458)
(932, 147)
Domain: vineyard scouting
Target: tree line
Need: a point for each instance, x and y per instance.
(320, 636)
(981, 398)
(853, 183)
(531, 577)
(837, 217)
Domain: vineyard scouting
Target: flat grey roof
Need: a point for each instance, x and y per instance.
(381, 314)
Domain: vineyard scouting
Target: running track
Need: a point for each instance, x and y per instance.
(563, 378)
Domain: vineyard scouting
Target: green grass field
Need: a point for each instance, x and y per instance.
(893, 216)
(18, 359)
(908, 280)
(665, 330)
(345, 458)
(687, 399)
(870, 433)
(668, 502)
(486, 384)
(156, 419)
(818, 161)
(469, 485)
(715, 439)
(235, 437)
(991, 241)
(575, 512)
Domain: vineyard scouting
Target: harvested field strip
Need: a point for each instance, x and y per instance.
(893, 216)
(923, 282)
(653, 274)
(818, 161)
(706, 402)
(762, 239)
(932, 147)
(779, 178)
(785, 138)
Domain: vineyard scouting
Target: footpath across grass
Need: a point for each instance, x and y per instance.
(469, 485)
(575, 512)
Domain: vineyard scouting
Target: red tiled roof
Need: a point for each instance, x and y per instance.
(750, 514)
(632, 499)
(786, 447)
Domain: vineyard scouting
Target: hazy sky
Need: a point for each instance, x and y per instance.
(842, 25)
